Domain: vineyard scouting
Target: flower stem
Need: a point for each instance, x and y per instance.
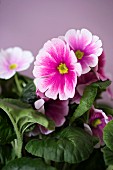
(18, 84)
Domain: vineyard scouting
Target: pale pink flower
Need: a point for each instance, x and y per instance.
(87, 47)
(56, 70)
(56, 110)
(14, 60)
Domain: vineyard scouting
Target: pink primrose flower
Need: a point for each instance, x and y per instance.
(87, 47)
(56, 70)
(97, 121)
(14, 60)
(56, 110)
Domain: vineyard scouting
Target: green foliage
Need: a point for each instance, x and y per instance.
(108, 155)
(108, 135)
(71, 145)
(88, 98)
(23, 115)
(108, 139)
(27, 164)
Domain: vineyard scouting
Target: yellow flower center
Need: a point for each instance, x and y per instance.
(79, 54)
(96, 122)
(62, 68)
(13, 66)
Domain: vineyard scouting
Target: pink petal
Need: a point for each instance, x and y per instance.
(55, 82)
(91, 60)
(7, 75)
(78, 69)
(39, 103)
(71, 38)
(85, 67)
(70, 84)
(85, 38)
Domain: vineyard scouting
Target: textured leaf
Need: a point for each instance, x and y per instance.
(108, 135)
(108, 155)
(27, 164)
(102, 85)
(85, 103)
(23, 114)
(70, 145)
(88, 98)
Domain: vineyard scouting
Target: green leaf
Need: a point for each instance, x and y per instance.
(108, 155)
(29, 93)
(85, 103)
(70, 145)
(88, 98)
(102, 85)
(23, 114)
(27, 164)
(110, 167)
(108, 135)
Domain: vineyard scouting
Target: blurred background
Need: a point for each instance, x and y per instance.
(30, 23)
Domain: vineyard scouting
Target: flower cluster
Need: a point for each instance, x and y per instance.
(61, 61)
(64, 67)
(58, 109)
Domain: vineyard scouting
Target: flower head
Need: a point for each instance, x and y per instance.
(56, 70)
(97, 121)
(56, 110)
(14, 60)
(86, 47)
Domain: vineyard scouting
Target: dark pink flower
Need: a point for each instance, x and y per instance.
(100, 68)
(56, 110)
(97, 121)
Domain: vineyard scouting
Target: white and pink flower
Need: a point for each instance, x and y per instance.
(87, 47)
(56, 70)
(14, 60)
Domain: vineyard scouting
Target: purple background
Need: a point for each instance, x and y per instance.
(30, 23)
